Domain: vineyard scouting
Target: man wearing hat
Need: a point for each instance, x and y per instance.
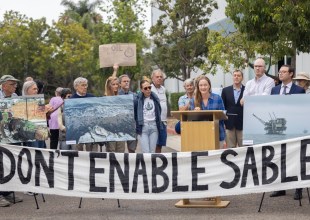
(9, 85)
(303, 80)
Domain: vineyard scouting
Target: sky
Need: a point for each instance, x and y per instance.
(51, 9)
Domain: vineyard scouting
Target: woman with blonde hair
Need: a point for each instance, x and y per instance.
(111, 89)
(204, 99)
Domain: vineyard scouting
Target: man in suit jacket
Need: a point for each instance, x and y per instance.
(286, 74)
(231, 96)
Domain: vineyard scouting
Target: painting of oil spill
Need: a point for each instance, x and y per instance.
(99, 119)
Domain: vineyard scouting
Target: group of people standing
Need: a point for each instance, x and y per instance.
(199, 96)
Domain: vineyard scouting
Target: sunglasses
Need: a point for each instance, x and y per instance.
(147, 88)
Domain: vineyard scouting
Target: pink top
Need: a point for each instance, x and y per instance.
(55, 102)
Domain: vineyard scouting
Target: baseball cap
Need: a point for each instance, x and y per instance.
(6, 78)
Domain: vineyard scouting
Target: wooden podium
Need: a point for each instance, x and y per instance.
(200, 132)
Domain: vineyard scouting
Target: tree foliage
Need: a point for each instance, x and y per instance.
(283, 23)
(180, 34)
(126, 19)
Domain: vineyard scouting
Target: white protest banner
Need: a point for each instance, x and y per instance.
(123, 54)
(261, 168)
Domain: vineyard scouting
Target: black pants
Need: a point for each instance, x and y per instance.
(54, 138)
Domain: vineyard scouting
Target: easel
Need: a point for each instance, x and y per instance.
(263, 196)
(200, 132)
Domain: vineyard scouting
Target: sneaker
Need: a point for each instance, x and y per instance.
(4, 202)
(29, 193)
(10, 198)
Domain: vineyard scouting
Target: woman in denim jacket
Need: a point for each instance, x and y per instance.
(147, 115)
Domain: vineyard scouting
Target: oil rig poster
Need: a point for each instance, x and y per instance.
(99, 119)
(275, 117)
(23, 119)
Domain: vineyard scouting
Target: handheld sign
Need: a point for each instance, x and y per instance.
(122, 54)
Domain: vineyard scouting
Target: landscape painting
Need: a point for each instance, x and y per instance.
(275, 117)
(99, 119)
(23, 119)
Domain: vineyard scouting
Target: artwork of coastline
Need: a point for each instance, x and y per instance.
(275, 117)
(99, 119)
(23, 119)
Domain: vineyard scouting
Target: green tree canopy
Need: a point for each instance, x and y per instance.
(283, 23)
(180, 34)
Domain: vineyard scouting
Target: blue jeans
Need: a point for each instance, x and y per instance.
(148, 137)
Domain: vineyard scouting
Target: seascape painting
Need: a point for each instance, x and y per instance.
(99, 119)
(275, 117)
(23, 119)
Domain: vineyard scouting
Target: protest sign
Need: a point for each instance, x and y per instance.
(99, 119)
(23, 119)
(275, 117)
(123, 54)
(254, 169)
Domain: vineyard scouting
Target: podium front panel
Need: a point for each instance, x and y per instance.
(199, 135)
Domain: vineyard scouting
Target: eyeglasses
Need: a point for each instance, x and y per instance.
(13, 84)
(283, 71)
(147, 88)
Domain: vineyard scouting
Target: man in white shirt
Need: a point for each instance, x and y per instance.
(157, 79)
(261, 84)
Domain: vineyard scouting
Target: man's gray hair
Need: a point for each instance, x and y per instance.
(78, 81)
(158, 71)
(188, 81)
(122, 76)
(26, 86)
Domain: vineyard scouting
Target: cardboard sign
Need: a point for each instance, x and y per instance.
(121, 54)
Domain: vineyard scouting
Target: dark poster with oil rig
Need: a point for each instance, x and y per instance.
(275, 117)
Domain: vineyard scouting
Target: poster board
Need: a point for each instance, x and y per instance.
(275, 117)
(23, 119)
(99, 119)
(123, 54)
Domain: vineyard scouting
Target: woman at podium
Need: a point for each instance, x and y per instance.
(147, 115)
(204, 99)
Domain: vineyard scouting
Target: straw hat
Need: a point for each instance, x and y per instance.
(302, 76)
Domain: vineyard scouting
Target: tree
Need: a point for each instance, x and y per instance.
(283, 23)
(180, 34)
(83, 12)
(233, 50)
(126, 26)
(20, 42)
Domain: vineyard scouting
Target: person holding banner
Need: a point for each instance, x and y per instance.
(261, 84)
(286, 74)
(147, 113)
(111, 89)
(65, 94)
(158, 77)
(124, 89)
(8, 87)
(80, 85)
(204, 99)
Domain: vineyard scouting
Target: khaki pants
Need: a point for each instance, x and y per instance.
(233, 138)
(88, 147)
(115, 146)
